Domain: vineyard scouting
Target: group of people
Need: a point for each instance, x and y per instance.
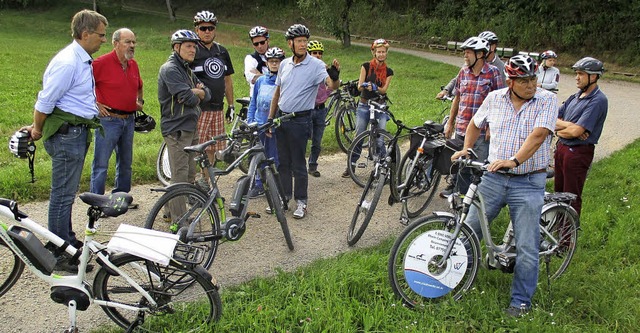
(500, 110)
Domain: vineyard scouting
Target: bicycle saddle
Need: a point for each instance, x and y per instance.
(433, 126)
(112, 205)
(244, 101)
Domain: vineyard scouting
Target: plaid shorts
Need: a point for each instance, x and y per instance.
(210, 124)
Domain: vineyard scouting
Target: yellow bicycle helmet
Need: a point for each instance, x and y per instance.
(315, 45)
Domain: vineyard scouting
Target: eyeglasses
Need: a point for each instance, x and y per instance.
(262, 42)
(99, 34)
(316, 52)
(274, 61)
(207, 28)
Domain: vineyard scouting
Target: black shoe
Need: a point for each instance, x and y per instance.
(64, 264)
(314, 172)
(133, 206)
(256, 192)
(346, 174)
(517, 312)
(447, 191)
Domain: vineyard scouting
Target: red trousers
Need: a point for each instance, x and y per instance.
(571, 167)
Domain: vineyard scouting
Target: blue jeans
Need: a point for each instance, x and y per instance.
(317, 130)
(118, 136)
(463, 179)
(270, 151)
(362, 121)
(292, 137)
(525, 197)
(67, 153)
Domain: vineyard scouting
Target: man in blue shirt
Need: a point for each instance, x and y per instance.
(64, 113)
(579, 125)
(296, 89)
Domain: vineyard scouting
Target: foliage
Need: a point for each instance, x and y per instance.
(26, 3)
(334, 16)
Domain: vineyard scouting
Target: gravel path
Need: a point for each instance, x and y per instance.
(262, 249)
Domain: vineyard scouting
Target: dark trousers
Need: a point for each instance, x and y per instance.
(292, 136)
(317, 130)
(571, 167)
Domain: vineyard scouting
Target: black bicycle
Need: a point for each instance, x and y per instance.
(342, 106)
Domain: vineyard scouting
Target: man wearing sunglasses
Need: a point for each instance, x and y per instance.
(255, 64)
(212, 65)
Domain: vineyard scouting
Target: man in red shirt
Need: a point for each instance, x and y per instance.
(118, 88)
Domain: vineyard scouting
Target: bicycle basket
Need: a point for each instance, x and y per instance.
(353, 88)
(430, 146)
(442, 160)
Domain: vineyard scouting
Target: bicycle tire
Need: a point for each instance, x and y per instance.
(332, 108)
(180, 305)
(163, 171)
(191, 199)
(422, 183)
(277, 204)
(367, 159)
(413, 275)
(364, 211)
(558, 239)
(11, 268)
(345, 127)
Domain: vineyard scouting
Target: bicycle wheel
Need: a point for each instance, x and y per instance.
(365, 156)
(178, 208)
(345, 127)
(421, 184)
(184, 307)
(558, 239)
(366, 207)
(277, 205)
(332, 107)
(163, 171)
(11, 268)
(413, 271)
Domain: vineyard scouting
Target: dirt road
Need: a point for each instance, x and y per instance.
(262, 249)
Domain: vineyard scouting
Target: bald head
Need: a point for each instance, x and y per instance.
(124, 43)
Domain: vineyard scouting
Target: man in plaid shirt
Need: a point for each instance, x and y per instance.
(473, 83)
(521, 118)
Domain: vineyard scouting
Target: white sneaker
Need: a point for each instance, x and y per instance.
(301, 211)
(268, 210)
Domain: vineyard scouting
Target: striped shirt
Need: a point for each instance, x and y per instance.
(472, 90)
(509, 129)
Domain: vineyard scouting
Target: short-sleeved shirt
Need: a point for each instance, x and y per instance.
(366, 94)
(115, 86)
(589, 112)
(509, 129)
(254, 61)
(473, 90)
(211, 66)
(299, 83)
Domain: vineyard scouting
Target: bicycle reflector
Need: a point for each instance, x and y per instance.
(21, 145)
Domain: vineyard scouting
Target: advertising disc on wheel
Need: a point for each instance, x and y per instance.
(420, 264)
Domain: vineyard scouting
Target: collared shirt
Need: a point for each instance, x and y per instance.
(299, 83)
(117, 87)
(589, 112)
(323, 93)
(472, 90)
(67, 83)
(510, 128)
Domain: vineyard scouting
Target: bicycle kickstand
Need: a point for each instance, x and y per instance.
(72, 318)
(404, 218)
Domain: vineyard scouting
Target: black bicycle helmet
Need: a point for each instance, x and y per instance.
(144, 123)
(297, 30)
(490, 36)
(521, 66)
(258, 31)
(589, 65)
(21, 145)
(205, 16)
(548, 54)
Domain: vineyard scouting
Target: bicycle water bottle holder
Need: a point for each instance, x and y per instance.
(188, 254)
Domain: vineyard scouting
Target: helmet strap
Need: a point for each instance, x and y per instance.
(520, 97)
(31, 157)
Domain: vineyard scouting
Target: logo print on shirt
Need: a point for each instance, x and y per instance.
(214, 68)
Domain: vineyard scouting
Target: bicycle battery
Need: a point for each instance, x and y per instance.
(33, 249)
(239, 198)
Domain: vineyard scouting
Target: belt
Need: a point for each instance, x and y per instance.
(319, 106)
(64, 128)
(120, 113)
(508, 174)
(298, 114)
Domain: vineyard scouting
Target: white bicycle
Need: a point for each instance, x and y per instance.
(149, 287)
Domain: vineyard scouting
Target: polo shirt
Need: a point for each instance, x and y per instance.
(299, 83)
(115, 86)
(589, 112)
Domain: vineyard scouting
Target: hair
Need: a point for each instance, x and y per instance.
(86, 20)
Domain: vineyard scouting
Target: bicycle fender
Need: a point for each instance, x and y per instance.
(444, 214)
(176, 186)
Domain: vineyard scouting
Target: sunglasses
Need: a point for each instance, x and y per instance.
(260, 42)
(316, 52)
(207, 28)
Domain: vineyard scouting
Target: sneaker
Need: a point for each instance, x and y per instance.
(64, 264)
(256, 192)
(203, 183)
(447, 191)
(301, 211)
(517, 312)
(268, 210)
(314, 172)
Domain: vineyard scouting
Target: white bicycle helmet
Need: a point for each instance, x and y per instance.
(476, 44)
(548, 54)
(205, 16)
(184, 35)
(258, 31)
(20, 144)
(490, 36)
(274, 52)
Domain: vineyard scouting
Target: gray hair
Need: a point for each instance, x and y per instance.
(86, 20)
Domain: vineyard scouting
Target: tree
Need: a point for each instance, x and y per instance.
(325, 11)
(172, 12)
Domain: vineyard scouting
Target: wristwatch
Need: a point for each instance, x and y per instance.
(515, 160)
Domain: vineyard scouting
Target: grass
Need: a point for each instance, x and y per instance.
(351, 293)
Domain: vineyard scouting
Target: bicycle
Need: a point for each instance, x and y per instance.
(359, 163)
(414, 186)
(133, 289)
(194, 215)
(439, 255)
(163, 170)
(342, 106)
